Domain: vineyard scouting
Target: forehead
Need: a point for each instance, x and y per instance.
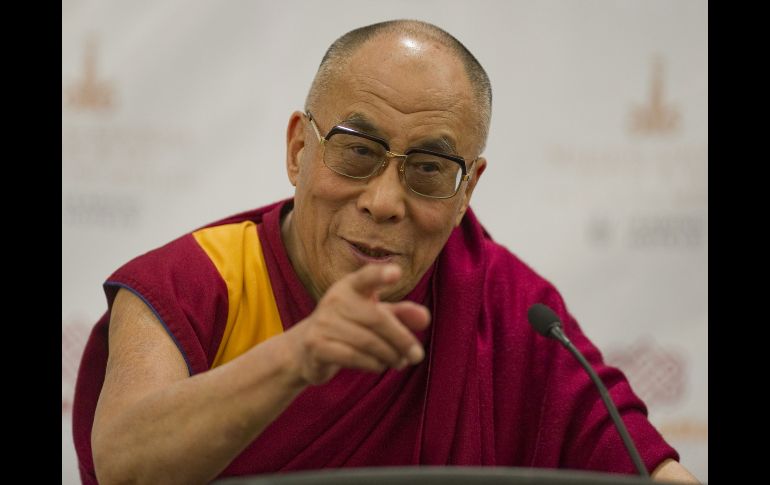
(406, 88)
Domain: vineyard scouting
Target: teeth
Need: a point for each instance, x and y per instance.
(372, 252)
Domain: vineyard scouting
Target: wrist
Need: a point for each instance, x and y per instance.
(289, 360)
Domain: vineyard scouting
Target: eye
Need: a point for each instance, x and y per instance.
(428, 168)
(361, 150)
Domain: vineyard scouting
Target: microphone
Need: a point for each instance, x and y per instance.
(546, 323)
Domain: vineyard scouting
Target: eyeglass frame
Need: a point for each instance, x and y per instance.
(388, 155)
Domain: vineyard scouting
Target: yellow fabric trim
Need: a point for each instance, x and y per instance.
(252, 315)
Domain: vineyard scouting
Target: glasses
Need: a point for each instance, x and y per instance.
(359, 156)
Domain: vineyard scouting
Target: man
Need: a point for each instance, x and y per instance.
(368, 321)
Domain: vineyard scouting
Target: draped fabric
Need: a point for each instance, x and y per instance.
(489, 392)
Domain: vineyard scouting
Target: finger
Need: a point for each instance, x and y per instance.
(380, 319)
(372, 277)
(415, 316)
(342, 354)
(367, 341)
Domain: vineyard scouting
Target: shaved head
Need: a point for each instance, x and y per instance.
(340, 52)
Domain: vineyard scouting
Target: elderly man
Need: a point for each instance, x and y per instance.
(369, 321)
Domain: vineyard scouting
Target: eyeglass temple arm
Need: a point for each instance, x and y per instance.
(469, 170)
(315, 128)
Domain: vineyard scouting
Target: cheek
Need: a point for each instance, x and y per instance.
(439, 215)
(323, 185)
(434, 224)
(321, 196)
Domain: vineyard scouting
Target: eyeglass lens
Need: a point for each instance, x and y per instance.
(359, 157)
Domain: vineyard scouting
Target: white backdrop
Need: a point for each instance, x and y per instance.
(174, 114)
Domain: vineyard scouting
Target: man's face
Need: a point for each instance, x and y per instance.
(410, 93)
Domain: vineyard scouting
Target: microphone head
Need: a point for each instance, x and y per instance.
(543, 319)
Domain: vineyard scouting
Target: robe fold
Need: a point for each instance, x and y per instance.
(490, 391)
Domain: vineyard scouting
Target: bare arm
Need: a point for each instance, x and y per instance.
(155, 424)
(671, 471)
(152, 421)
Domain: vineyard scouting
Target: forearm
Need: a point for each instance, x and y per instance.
(189, 431)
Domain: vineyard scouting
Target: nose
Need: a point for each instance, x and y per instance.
(384, 196)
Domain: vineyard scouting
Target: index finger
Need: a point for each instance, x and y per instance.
(373, 277)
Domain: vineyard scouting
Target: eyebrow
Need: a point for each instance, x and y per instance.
(359, 122)
(441, 144)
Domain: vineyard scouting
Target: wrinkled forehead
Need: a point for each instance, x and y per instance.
(405, 84)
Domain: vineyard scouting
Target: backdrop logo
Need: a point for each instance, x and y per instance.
(89, 93)
(658, 376)
(655, 117)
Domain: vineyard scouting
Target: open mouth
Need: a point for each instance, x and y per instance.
(371, 252)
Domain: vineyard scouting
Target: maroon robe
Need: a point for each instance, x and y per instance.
(490, 391)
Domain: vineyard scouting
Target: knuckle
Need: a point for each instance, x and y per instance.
(348, 356)
(332, 296)
(324, 318)
(370, 345)
(379, 316)
(312, 349)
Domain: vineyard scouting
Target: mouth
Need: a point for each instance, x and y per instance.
(371, 253)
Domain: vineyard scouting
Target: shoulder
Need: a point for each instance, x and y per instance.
(224, 242)
(186, 256)
(472, 245)
(509, 286)
(505, 270)
(192, 252)
(188, 284)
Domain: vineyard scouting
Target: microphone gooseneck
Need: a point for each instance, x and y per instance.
(547, 323)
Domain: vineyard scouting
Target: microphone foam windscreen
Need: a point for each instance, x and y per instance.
(541, 317)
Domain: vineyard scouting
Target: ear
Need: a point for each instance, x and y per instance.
(476, 171)
(295, 144)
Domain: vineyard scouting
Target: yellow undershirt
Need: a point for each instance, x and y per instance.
(252, 315)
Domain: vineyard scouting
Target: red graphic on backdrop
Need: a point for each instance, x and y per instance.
(657, 375)
(90, 92)
(73, 340)
(656, 116)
